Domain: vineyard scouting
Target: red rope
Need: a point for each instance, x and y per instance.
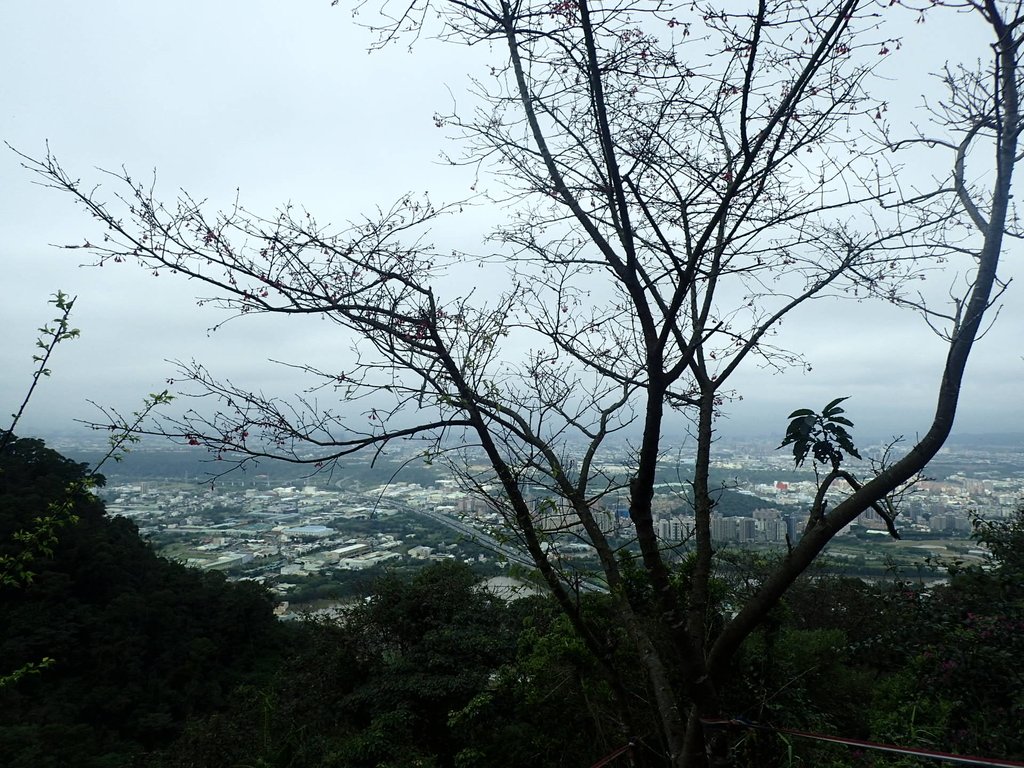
(949, 757)
(608, 758)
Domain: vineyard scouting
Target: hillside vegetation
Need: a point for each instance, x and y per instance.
(149, 663)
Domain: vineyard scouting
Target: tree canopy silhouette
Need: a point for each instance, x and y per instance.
(678, 180)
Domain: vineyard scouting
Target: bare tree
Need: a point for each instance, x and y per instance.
(678, 181)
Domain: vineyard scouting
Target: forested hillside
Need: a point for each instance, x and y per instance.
(139, 644)
(143, 662)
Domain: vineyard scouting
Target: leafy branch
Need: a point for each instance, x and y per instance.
(125, 431)
(825, 437)
(49, 337)
(822, 435)
(32, 668)
(40, 538)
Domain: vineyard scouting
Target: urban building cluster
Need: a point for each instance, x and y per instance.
(277, 534)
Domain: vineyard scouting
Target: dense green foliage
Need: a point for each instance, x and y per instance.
(158, 665)
(431, 671)
(139, 644)
(961, 684)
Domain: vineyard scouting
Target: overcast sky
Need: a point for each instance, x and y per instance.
(281, 101)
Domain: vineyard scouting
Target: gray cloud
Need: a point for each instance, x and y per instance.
(283, 102)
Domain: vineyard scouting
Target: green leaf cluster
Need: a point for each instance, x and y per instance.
(822, 435)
